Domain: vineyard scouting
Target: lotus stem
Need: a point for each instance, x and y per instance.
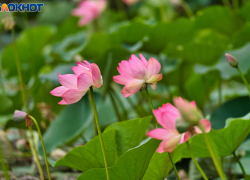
(99, 132)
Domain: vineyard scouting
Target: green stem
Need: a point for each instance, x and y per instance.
(99, 132)
(33, 151)
(44, 150)
(121, 7)
(241, 166)
(175, 170)
(162, 11)
(245, 81)
(226, 3)
(115, 106)
(195, 162)
(152, 108)
(149, 98)
(220, 90)
(137, 109)
(235, 4)
(3, 165)
(93, 118)
(187, 9)
(117, 97)
(216, 163)
(24, 100)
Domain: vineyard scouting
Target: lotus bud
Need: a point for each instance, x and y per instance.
(19, 116)
(231, 60)
(189, 113)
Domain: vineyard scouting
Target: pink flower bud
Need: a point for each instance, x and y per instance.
(19, 116)
(232, 61)
(189, 113)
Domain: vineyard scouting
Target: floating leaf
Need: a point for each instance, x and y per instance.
(117, 141)
(225, 140)
(130, 166)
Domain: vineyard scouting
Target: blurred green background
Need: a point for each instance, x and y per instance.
(189, 39)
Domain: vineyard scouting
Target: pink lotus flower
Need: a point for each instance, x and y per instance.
(130, 2)
(135, 73)
(74, 86)
(88, 10)
(167, 115)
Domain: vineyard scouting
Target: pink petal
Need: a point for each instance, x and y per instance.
(145, 62)
(80, 69)
(121, 79)
(62, 102)
(160, 134)
(169, 145)
(205, 124)
(96, 75)
(126, 93)
(88, 65)
(124, 69)
(68, 80)
(193, 103)
(137, 67)
(154, 78)
(73, 95)
(84, 81)
(134, 85)
(157, 114)
(185, 136)
(59, 91)
(154, 67)
(169, 107)
(168, 120)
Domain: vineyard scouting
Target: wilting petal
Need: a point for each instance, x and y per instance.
(59, 91)
(154, 67)
(73, 95)
(205, 124)
(137, 67)
(168, 120)
(153, 85)
(84, 81)
(62, 102)
(134, 85)
(96, 75)
(185, 136)
(145, 62)
(19, 116)
(121, 79)
(169, 144)
(155, 78)
(160, 134)
(68, 80)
